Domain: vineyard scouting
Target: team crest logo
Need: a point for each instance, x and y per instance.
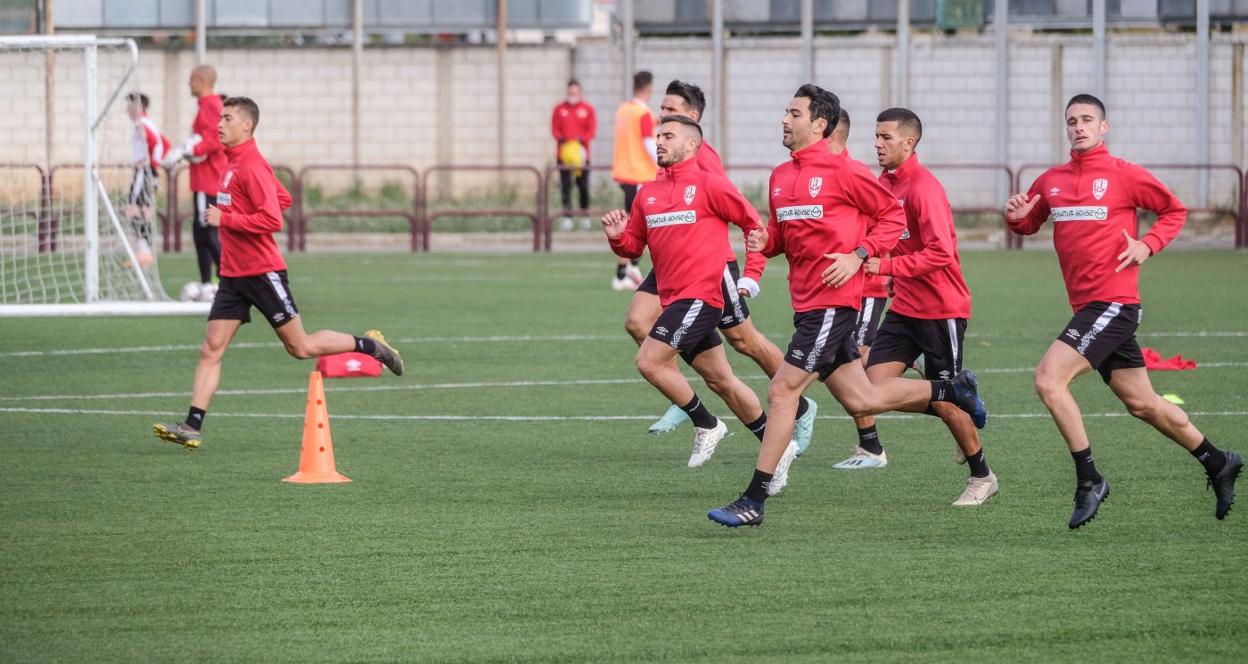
(815, 184)
(690, 192)
(1099, 187)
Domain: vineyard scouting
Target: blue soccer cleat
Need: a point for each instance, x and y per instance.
(673, 418)
(966, 396)
(804, 428)
(740, 512)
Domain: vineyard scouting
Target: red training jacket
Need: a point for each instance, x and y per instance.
(206, 175)
(822, 204)
(251, 200)
(148, 144)
(873, 285)
(573, 122)
(683, 217)
(709, 161)
(926, 269)
(1092, 199)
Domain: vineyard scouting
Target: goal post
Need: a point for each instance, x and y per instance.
(58, 256)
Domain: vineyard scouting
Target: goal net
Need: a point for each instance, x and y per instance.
(78, 229)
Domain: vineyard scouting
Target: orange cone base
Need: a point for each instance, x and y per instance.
(317, 478)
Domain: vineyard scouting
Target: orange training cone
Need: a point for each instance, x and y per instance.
(316, 457)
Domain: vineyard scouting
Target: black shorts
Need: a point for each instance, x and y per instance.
(1104, 334)
(903, 339)
(268, 292)
(143, 188)
(689, 327)
(823, 340)
(735, 312)
(869, 319)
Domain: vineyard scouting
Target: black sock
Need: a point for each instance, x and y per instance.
(757, 491)
(802, 407)
(757, 427)
(869, 440)
(635, 262)
(979, 467)
(698, 414)
(195, 418)
(1085, 469)
(619, 271)
(1210, 457)
(942, 390)
(365, 345)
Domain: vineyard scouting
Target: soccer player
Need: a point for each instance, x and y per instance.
(688, 100)
(634, 161)
(248, 211)
(147, 147)
(573, 121)
(868, 452)
(207, 162)
(1092, 200)
(827, 209)
(931, 303)
(683, 218)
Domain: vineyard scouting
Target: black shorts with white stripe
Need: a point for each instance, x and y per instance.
(268, 292)
(143, 187)
(869, 319)
(1104, 334)
(823, 340)
(902, 339)
(689, 327)
(735, 312)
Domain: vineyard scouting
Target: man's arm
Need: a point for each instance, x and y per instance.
(935, 221)
(728, 204)
(1149, 193)
(268, 215)
(209, 141)
(627, 238)
(647, 137)
(592, 130)
(554, 125)
(888, 218)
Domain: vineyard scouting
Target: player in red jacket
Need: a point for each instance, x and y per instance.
(573, 119)
(249, 208)
(687, 99)
(683, 217)
(827, 208)
(1092, 200)
(931, 303)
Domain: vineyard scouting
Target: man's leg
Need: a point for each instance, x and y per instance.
(655, 364)
(217, 337)
(565, 198)
(712, 365)
(750, 342)
(643, 311)
(582, 184)
(868, 452)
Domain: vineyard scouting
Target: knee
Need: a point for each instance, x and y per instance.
(1145, 409)
(635, 327)
(1047, 385)
(647, 366)
(299, 351)
(859, 407)
(741, 343)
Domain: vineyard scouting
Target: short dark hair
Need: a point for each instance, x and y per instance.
(691, 93)
(823, 104)
(138, 98)
(842, 121)
(905, 118)
(642, 79)
(1085, 98)
(684, 120)
(247, 105)
(573, 81)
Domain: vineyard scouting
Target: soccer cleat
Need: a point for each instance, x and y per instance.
(959, 457)
(804, 428)
(386, 353)
(704, 442)
(740, 512)
(966, 396)
(780, 478)
(633, 274)
(623, 284)
(1088, 498)
(673, 418)
(862, 459)
(1223, 484)
(178, 434)
(978, 489)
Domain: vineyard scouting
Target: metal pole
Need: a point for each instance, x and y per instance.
(903, 52)
(1001, 24)
(1098, 49)
(90, 203)
(719, 94)
(49, 88)
(201, 31)
(1202, 99)
(626, 31)
(357, 59)
(808, 41)
(501, 42)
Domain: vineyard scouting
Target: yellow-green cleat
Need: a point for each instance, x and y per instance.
(178, 434)
(386, 353)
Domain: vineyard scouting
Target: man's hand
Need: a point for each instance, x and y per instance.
(747, 287)
(1136, 252)
(212, 216)
(842, 269)
(1019, 206)
(755, 240)
(613, 223)
(872, 266)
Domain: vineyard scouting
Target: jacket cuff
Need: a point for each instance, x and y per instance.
(1154, 245)
(749, 285)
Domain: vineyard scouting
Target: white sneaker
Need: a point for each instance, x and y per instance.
(780, 478)
(958, 455)
(586, 224)
(978, 489)
(861, 459)
(704, 442)
(624, 284)
(633, 274)
(565, 223)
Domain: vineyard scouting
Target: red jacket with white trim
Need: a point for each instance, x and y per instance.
(708, 160)
(823, 204)
(926, 269)
(251, 200)
(683, 217)
(1092, 199)
(573, 122)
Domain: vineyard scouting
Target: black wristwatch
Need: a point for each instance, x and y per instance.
(861, 252)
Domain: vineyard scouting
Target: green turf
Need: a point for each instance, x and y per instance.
(587, 541)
